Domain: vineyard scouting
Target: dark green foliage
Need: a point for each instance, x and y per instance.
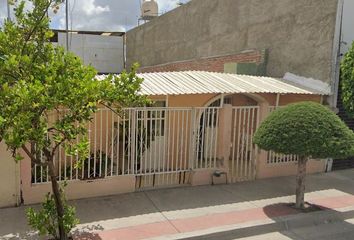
(347, 81)
(46, 220)
(306, 129)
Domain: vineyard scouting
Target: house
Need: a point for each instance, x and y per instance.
(199, 131)
(199, 64)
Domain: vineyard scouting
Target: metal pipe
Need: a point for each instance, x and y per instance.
(8, 11)
(67, 24)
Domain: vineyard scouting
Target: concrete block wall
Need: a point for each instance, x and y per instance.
(298, 34)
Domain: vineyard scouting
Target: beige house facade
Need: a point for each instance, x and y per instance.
(198, 132)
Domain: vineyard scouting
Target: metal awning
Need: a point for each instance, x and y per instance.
(200, 82)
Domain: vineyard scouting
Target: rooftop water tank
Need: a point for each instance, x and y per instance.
(149, 10)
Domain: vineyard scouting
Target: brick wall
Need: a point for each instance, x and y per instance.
(211, 64)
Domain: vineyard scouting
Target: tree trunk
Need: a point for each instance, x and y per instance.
(57, 199)
(300, 182)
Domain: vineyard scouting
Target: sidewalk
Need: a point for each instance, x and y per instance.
(249, 210)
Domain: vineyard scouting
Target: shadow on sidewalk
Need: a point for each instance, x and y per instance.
(94, 211)
(290, 223)
(87, 233)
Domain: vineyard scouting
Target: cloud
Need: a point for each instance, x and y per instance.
(3, 11)
(89, 7)
(100, 15)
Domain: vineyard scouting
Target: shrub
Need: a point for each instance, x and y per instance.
(306, 129)
(46, 219)
(347, 80)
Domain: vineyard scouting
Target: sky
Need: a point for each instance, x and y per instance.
(100, 15)
(348, 19)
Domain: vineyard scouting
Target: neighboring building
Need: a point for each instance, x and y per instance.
(347, 25)
(347, 39)
(300, 36)
(102, 50)
(272, 38)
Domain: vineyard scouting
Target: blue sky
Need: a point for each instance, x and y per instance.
(101, 15)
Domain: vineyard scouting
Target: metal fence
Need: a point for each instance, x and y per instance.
(158, 145)
(242, 160)
(278, 158)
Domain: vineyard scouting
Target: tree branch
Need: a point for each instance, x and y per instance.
(30, 155)
(27, 38)
(110, 108)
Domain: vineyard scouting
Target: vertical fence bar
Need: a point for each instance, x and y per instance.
(186, 140)
(182, 140)
(112, 142)
(117, 136)
(239, 136)
(234, 113)
(100, 150)
(216, 136)
(246, 137)
(124, 143)
(129, 140)
(203, 158)
(173, 140)
(251, 142)
(89, 153)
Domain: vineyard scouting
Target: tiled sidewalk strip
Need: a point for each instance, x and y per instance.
(195, 223)
(267, 209)
(191, 224)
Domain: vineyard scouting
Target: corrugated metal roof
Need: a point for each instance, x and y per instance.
(200, 82)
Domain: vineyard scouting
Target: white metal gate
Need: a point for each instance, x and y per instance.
(160, 146)
(242, 162)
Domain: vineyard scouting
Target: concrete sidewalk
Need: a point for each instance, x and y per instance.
(249, 210)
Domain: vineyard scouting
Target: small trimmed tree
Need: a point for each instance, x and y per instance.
(306, 129)
(347, 81)
(37, 81)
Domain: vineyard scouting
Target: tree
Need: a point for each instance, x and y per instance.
(306, 129)
(347, 81)
(38, 80)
